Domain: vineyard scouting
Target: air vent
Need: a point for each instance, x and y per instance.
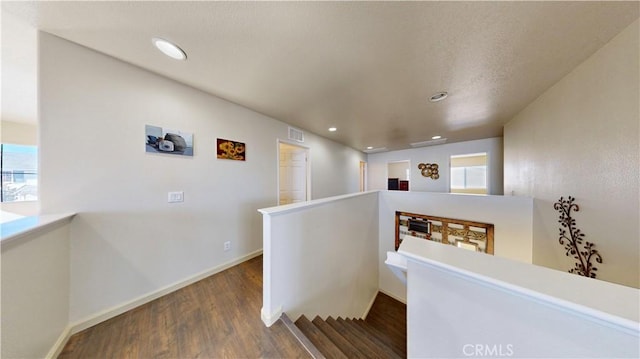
(375, 150)
(296, 135)
(429, 143)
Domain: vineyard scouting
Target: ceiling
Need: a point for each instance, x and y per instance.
(367, 68)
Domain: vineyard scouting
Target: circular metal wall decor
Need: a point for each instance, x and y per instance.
(429, 170)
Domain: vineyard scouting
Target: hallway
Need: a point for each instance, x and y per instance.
(217, 317)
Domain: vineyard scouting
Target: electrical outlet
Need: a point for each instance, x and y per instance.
(227, 246)
(174, 197)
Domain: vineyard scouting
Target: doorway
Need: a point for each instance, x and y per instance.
(363, 176)
(293, 173)
(398, 173)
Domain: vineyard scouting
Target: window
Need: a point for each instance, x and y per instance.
(469, 173)
(19, 167)
(469, 177)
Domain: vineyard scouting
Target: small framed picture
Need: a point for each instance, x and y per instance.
(172, 142)
(231, 150)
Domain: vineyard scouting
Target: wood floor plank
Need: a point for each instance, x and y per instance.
(361, 344)
(341, 342)
(376, 344)
(399, 346)
(217, 317)
(389, 318)
(162, 338)
(319, 339)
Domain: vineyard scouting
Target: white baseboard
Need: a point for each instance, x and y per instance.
(270, 318)
(366, 312)
(124, 307)
(401, 300)
(56, 349)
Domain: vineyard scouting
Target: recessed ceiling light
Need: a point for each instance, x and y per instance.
(436, 137)
(169, 49)
(438, 96)
(370, 148)
(332, 129)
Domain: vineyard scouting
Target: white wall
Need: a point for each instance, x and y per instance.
(440, 154)
(581, 138)
(463, 304)
(19, 70)
(320, 257)
(335, 169)
(398, 170)
(35, 292)
(511, 217)
(126, 240)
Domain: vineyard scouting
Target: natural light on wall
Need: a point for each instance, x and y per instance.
(469, 173)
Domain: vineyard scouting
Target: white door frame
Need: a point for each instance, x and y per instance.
(308, 165)
(363, 174)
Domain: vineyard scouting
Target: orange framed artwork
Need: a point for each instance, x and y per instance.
(231, 150)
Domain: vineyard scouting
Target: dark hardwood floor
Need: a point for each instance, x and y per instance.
(388, 319)
(217, 317)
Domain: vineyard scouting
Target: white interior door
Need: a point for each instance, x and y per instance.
(293, 174)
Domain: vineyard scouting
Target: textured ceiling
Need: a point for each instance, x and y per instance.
(367, 68)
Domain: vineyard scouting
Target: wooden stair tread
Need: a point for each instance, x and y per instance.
(382, 335)
(394, 330)
(301, 337)
(351, 337)
(338, 339)
(397, 335)
(354, 338)
(319, 339)
(385, 307)
(397, 345)
(387, 343)
(377, 345)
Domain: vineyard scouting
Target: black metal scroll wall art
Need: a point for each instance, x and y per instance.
(573, 240)
(429, 170)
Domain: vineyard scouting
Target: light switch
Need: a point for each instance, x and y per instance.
(176, 197)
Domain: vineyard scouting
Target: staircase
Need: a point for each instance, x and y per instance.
(381, 335)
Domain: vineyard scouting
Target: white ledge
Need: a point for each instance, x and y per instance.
(26, 226)
(608, 303)
(308, 204)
